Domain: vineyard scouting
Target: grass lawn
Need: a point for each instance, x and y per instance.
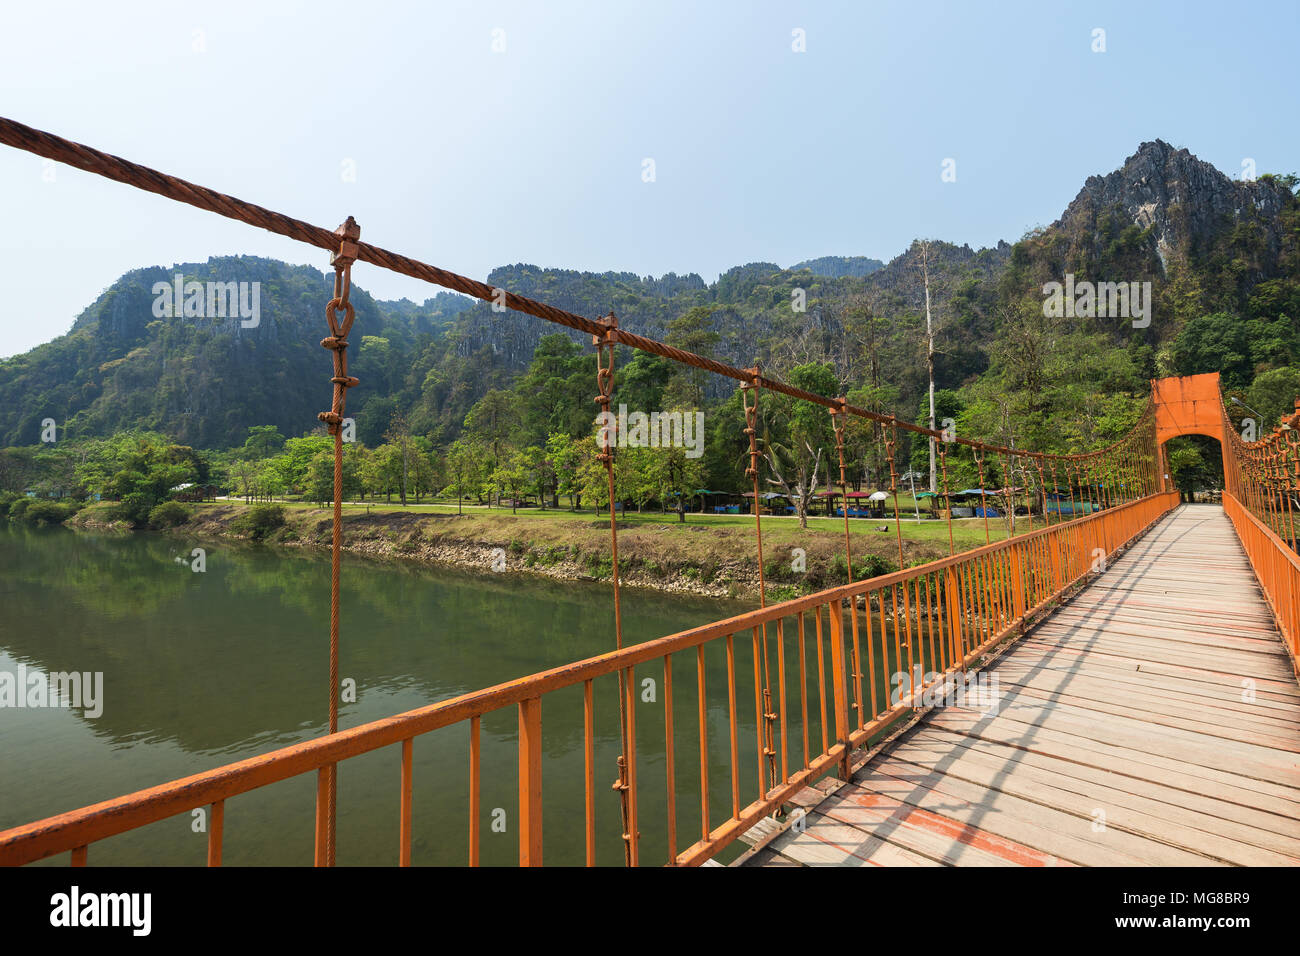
(777, 529)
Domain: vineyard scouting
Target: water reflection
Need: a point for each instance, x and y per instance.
(200, 669)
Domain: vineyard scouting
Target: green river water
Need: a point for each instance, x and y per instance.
(201, 669)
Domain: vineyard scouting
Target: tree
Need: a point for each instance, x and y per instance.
(464, 461)
(640, 383)
(399, 435)
(694, 332)
(425, 467)
(1190, 467)
(862, 326)
(291, 467)
(139, 471)
(565, 456)
(493, 420)
(794, 457)
(675, 476)
(539, 472)
(263, 441)
(946, 404)
(1273, 394)
(319, 485)
(554, 395)
(512, 474)
(385, 470)
(593, 481)
(635, 475)
(245, 473)
(1215, 343)
(925, 259)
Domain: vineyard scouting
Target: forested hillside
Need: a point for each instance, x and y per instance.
(1222, 257)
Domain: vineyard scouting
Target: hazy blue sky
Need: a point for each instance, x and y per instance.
(470, 158)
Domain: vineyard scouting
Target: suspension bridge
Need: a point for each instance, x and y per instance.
(1113, 687)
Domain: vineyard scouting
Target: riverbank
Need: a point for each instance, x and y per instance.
(706, 555)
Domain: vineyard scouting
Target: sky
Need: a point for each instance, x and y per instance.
(478, 134)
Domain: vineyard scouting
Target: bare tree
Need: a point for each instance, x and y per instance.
(807, 342)
(925, 259)
(804, 466)
(862, 322)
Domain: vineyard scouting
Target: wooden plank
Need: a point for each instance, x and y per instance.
(760, 831)
(1029, 649)
(1150, 765)
(1207, 722)
(1233, 712)
(767, 857)
(934, 836)
(1206, 796)
(825, 843)
(1220, 661)
(1225, 697)
(1049, 831)
(1176, 826)
(1247, 760)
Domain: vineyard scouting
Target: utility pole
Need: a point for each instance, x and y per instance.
(1011, 501)
(929, 355)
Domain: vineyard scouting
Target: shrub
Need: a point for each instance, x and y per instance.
(18, 506)
(6, 500)
(259, 521)
(783, 592)
(782, 570)
(869, 566)
(42, 512)
(134, 508)
(169, 514)
(598, 565)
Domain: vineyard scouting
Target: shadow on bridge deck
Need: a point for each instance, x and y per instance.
(1153, 720)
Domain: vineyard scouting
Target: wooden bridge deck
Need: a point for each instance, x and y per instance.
(1125, 736)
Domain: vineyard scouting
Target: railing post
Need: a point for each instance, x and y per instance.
(838, 680)
(322, 816)
(1056, 546)
(1017, 585)
(952, 597)
(404, 803)
(216, 826)
(530, 782)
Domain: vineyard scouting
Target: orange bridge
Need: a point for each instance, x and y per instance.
(1113, 683)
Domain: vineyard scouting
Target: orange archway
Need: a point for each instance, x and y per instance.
(1188, 405)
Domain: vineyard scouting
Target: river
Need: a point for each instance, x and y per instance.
(201, 669)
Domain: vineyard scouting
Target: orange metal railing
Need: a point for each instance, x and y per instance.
(1277, 568)
(915, 629)
(1262, 497)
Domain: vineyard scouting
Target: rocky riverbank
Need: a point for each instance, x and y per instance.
(708, 560)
